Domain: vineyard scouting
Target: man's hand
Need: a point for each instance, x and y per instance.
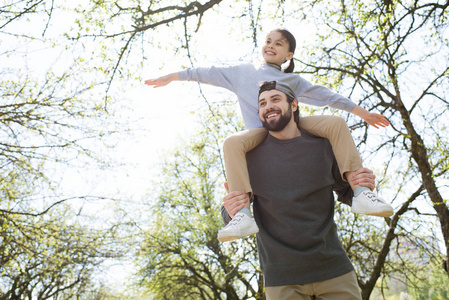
(235, 201)
(364, 177)
(376, 120)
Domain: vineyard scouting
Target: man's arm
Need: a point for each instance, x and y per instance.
(225, 215)
(232, 203)
(364, 177)
(344, 192)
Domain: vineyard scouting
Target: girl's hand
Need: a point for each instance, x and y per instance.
(158, 82)
(162, 81)
(376, 120)
(372, 119)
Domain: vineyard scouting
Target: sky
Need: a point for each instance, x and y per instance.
(172, 103)
(162, 115)
(165, 111)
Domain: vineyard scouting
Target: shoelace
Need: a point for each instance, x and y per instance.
(235, 220)
(372, 197)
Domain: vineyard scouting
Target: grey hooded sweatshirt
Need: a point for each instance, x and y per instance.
(244, 81)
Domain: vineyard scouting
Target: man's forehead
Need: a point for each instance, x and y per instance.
(270, 94)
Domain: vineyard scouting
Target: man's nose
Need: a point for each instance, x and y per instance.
(269, 107)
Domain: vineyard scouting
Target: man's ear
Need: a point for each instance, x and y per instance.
(294, 105)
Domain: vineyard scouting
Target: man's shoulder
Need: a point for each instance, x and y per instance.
(306, 138)
(306, 134)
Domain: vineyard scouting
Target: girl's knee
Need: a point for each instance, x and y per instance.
(244, 140)
(337, 119)
(337, 122)
(232, 142)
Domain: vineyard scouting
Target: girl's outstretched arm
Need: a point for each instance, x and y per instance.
(162, 81)
(373, 119)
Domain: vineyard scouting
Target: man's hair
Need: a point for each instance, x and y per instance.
(271, 85)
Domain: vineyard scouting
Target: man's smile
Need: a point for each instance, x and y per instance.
(272, 114)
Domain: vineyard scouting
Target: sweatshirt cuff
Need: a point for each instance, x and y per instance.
(183, 75)
(224, 215)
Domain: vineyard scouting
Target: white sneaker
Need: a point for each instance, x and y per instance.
(367, 203)
(240, 226)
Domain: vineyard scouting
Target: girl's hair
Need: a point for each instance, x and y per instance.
(292, 46)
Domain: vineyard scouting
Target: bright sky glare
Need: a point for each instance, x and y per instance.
(163, 114)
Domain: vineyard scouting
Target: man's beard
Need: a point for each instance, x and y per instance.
(280, 124)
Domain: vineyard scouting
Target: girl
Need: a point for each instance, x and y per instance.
(244, 81)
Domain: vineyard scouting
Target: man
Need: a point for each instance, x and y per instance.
(293, 175)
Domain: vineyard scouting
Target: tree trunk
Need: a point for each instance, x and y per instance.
(420, 156)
